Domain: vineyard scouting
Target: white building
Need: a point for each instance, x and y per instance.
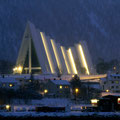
(9, 83)
(57, 88)
(39, 53)
(111, 83)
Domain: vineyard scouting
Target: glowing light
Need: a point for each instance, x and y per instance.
(11, 85)
(83, 59)
(72, 61)
(114, 68)
(73, 76)
(18, 69)
(47, 52)
(30, 80)
(66, 87)
(81, 107)
(55, 52)
(76, 90)
(118, 100)
(7, 107)
(61, 87)
(94, 101)
(107, 90)
(65, 59)
(14, 69)
(45, 91)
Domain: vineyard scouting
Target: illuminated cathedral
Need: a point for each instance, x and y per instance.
(41, 54)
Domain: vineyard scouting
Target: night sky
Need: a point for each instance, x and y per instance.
(67, 21)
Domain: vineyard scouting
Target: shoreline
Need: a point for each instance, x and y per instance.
(59, 114)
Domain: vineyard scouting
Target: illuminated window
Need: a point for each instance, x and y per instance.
(118, 100)
(30, 80)
(94, 102)
(117, 82)
(66, 87)
(61, 87)
(3, 85)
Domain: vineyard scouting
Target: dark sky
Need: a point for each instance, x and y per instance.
(67, 21)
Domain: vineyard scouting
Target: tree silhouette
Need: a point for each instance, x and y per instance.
(59, 71)
(76, 83)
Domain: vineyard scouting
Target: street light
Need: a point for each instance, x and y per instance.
(107, 90)
(11, 85)
(76, 92)
(7, 107)
(18, 69)
(61, 87)
(45, 91)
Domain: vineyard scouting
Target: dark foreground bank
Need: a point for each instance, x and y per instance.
(63, 118)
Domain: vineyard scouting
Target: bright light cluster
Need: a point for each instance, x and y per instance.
(18, 69)
(94, 101)
(51, 57)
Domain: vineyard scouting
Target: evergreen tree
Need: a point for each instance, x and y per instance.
(77, 84)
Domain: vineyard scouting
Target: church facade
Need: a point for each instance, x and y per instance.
(41, 54)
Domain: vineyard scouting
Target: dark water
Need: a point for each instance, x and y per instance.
(63, 118)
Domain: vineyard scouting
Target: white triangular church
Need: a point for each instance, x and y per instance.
(41, 54)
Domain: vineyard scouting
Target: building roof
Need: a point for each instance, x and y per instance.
(60, 82)
(8, 80)
(115, 75)
(96, 86)
(110, 93)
